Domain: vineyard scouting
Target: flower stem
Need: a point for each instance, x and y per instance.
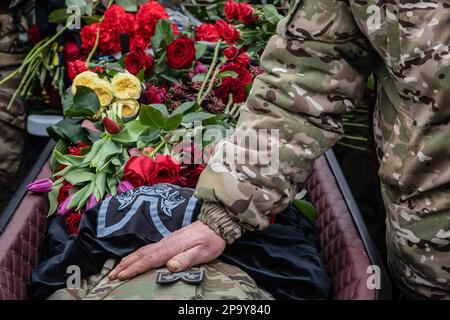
(347, 145)
(211, 84)
(210, 70)
(97, 38)
(159, 146)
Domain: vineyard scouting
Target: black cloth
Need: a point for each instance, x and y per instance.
(114, 228)
(283, 259)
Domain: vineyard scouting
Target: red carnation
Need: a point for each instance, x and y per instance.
(76, 67)
(88, 35)
(137, 60)
(139, 171)
(73, 221)
(227, 32)
(234, 86)
(245, 13)
(243, 74)
(181, 53)
(231, 10)
(147, 18)
(167, 169)
(207, 32)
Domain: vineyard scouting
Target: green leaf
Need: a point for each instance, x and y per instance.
(130, 133)
(228, 73)
(128, 5)
(151, 116)
(183, 108)
(306, 208)
(170, 78)
(112, 183)
(85, 103)
(173, 122)
(200, 50)
(271, 14)
(53, 200)
(79, 176)
(200, 77)
(61, 147)
(108, 150)
(149, 135)
(100, 185)
(68, 130)
(162, 108)
(197, 116)
(58, 16)
(67, 159)
(80, 197)
(164, 28)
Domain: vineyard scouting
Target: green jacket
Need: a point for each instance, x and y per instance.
(316, 68)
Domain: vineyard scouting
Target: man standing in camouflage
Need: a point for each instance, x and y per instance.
(316, 68)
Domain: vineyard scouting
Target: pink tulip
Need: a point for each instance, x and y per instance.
(124, 186)
(62, 208)
(41, 186)
(91, 202)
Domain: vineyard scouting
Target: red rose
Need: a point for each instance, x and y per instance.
(154, 94)
(181, 53)
(137, 60)
(139, 171)
(227, 32)
(189, 175)
(188, 153)
(234, 86)
(63, 191)
(207, 32)
(245, 13)
(231, 10)
(167, 169)
(73, 221)
(34, 35)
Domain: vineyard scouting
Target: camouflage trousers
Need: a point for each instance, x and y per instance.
(417, 224)
(221, 281)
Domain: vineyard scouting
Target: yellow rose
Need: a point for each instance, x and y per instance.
(104, 92)
(126, 86)
(85, 79)
(128, 108)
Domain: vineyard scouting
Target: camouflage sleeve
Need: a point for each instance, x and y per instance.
(313, 73)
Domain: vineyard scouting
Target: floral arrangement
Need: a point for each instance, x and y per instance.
(138, 101)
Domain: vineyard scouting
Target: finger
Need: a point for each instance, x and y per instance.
(185, 259)
(135, 269)
(125, 262)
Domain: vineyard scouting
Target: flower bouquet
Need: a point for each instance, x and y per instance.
(145, 107)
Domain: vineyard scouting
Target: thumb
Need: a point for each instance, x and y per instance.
(184, 260)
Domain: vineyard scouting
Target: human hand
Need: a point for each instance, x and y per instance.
(189, 246)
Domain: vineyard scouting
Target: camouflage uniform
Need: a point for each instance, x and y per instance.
(12, 121)
(221, 281)
(316, 67)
